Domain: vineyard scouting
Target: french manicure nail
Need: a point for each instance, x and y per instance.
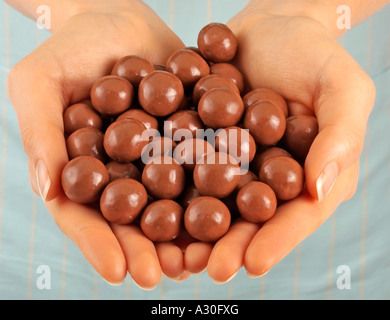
(250, 275)
(226, 281)
(43, 179)
(326, 180)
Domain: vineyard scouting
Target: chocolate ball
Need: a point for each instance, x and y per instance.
(230, 71)
(190, 151)
(256, 202)
(117, 170)
(112, 95)
(264, 94)
(133, 68)
(161, 220)
(83, 179)
(246, 178)
(266, 154)
(157, 147)
(300, 134)
(183, 125)
(207, 219)
(123, 200)
(81, 115)
(220, 108)
(238, 143)
(147, 120)
(284, 175)
(190, 193)
(160, 93)
(188, 66)
(212, 81)
(216, 174)
(266, 122)
(124, 140)
(217, 43)
(164, 178)
(86, 142)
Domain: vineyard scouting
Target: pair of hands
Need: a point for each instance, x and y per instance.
(294, 55)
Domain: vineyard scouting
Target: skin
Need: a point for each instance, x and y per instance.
(278, 39)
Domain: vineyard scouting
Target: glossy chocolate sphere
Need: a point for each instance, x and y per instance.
(83, 179)
(123, 200)
(266, 122)
(207, 219)
(164, 178)
(183, 125)
(158, 146)
(284, 175)
(81, 115)
(249, 176)
(256, 202)
(133, 68)
(117, 170)
(300, 134)
(220, 108)
(188, 66)
(264, 94)
(230, 71)
(124, 140)
(160, 93)
(190, 151)
(162, 220)
(216, 174)
(86, 142)
(112, 95)
(217, 43)
(212, 81)
(147, 120)
(266, 154)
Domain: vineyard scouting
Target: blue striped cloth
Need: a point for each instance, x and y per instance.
(357, 236)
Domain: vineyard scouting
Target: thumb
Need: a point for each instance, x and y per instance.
(38, 105)
(343, 108)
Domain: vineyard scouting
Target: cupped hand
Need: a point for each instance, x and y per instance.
(61, 72)
(297, 57)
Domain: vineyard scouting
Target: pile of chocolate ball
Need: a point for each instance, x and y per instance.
(182, 147)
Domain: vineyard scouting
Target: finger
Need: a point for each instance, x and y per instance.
(227, 257)
(293, 222)
(171, 259)
(141, 256)
(342, 109)
(87, 228)
(33, 178)
(197, 256)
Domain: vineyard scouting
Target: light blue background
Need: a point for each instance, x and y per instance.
(357, 235)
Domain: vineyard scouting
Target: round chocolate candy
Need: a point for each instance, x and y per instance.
(249, 176)
(123, 200)
(230, 71)
(284, 175)
(162, 220)
(188, 66)
(190, 193)
(157, 147)
(112, 95)
(160, 93)
(133, 68)
(266, 122)
(117, 170)
(217, 43)
(212, 81)
(216, 174)
(220, 108)
(81, 115)
(164, 178)
(147, 120)
(264, 94)
(124, 140)
(300, 134)
(190, 151)
(207, 219)
(83, 179)
(238, 143)
(256, 202)
(183, 125)
(86, 142)
(266, 154)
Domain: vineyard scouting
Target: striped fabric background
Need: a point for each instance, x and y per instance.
(357, 235)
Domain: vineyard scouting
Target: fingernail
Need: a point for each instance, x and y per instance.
(145, 288)
(115, 284)
(326, 180)
(223, 282)
(250, 275)
(43, 179)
